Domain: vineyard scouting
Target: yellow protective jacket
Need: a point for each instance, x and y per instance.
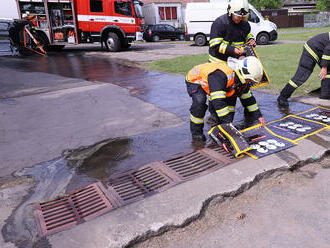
(218, 81)
(199, 75)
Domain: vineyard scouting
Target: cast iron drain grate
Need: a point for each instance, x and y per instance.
(74, 208)
(124, 188)
(135, 185)
(197, 163)
(222, 153)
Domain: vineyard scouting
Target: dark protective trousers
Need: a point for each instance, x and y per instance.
(198, 107)
(304, 70)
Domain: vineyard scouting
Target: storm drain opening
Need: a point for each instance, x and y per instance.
(197, 163)
(219, 154)
(135, 185)
(127, 187)
(65, 211)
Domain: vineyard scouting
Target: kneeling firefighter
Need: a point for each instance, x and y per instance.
(223, 85)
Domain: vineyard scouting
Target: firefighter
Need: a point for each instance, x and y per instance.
(316, 51)
(223, 85)
(230, 32)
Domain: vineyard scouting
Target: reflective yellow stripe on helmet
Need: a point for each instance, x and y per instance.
(196, 120)
(252, 108)
(223, 111)
(217, 95)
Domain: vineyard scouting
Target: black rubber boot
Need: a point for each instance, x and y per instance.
(325, 89)
(197, 132)
(198, 137)
(282, 101)
(286, 93)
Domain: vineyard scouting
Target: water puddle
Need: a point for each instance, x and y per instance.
(75, 65)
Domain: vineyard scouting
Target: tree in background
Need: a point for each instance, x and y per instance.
(323, 5)
(270, 4)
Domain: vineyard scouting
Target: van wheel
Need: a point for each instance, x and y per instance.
(200, 40)
(262, 39)
(112, 42)
(155, 38)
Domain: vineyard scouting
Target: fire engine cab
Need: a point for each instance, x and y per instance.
(115, 23)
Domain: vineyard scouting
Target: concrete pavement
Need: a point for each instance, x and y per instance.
(40, 126)
(289, 209)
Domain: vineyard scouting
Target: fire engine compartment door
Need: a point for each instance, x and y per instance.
(62, 22)
(101, 13)
(93, 17)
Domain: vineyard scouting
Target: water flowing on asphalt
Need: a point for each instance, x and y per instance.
(166, 91)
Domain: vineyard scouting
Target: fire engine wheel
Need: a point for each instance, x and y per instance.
(113, 42)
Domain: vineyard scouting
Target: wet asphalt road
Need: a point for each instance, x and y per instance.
(67, 68)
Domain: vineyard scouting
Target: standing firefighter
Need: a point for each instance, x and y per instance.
(223, 85)
(316, 51)
(230, 32)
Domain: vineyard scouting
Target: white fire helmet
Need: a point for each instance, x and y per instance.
(239, 8)
(250, 68)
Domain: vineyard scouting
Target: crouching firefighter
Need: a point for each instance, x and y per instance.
(223, 85)
(316, 51)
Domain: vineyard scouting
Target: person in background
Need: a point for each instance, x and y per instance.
(230, 32)
(316, 51)
(223, 85)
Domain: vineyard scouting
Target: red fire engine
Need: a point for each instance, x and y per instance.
(115, 23)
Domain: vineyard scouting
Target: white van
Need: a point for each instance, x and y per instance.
(200, 16)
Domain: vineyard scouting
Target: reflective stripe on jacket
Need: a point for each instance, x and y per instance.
(225, 36)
